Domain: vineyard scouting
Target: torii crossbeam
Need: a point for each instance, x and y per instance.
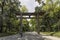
(29, 15)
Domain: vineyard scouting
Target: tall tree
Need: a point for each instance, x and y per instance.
(9, 9)
(51, 17)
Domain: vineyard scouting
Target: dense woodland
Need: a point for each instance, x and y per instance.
(49, 22)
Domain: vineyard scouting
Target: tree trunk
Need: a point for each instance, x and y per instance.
(1, 24)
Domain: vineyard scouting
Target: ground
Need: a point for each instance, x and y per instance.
(51, 38)
(26, 36)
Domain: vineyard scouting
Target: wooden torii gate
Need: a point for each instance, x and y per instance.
(36, 16)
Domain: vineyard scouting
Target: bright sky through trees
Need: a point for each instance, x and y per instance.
(30, 4)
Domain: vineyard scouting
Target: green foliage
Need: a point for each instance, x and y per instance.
(39, 1)
(51, 19)
(57, 34)
(26, 26)
(24, 9)
(9, 19)
(33, 24)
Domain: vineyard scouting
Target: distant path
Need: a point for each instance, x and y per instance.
(50, 37)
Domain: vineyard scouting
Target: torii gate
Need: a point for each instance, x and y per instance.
(36, 16)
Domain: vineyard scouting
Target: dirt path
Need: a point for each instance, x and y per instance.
(51, 37)
(29, 36)
(26, 36)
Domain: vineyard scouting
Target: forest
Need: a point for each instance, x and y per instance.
(49, 22)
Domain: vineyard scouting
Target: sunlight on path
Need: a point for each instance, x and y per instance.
(51, 37)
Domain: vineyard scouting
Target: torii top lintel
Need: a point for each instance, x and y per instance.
(31, 14)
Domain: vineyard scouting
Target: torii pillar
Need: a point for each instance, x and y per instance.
(21, 26)
(37, 22)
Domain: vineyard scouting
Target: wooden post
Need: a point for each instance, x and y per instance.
(37, 21)
(21, 25)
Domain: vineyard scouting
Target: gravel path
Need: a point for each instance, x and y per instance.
(29, 36)
(26, 36)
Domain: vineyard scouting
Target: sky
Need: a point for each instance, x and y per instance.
(30, 4)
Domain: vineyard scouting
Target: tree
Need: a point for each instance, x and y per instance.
(9, 9)
(51, 17)
(51, 8)
(23, 9)
(26, 26)
(33, 24)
